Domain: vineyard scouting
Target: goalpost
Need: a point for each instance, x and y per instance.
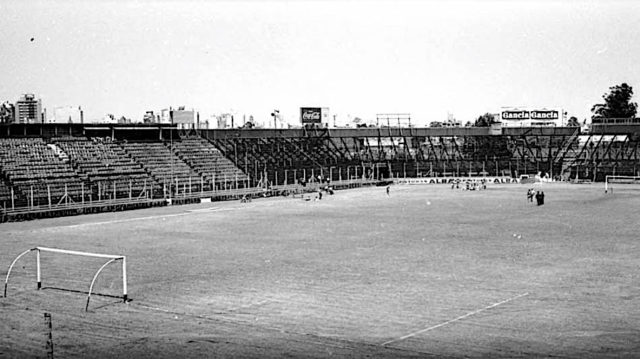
(111, 259)
(609, 180)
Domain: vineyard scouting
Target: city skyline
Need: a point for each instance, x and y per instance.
(358, 58)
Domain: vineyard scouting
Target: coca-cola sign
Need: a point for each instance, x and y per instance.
(311, 114)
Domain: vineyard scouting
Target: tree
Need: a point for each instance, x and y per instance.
(485, 120)
(617, 103)
(7, 111)
(573, 122)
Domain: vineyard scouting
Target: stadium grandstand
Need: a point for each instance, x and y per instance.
(67, 169)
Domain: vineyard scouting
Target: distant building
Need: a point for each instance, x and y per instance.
(224, 120)
(148, 117)
(67, 114)
(28, 109)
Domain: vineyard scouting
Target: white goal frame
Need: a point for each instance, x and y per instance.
(111, 258)
(608, 178)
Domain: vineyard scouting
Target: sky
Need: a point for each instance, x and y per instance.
(358, 58)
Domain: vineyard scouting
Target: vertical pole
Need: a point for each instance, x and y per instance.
(38, 278)
(49, 194)
(114, 190)
(190, 186)
(99, 192)
(276, 177)
(202, 186)
(82, 192)
(130, 190)
(49, 329)
(124, 279)
(12, 199)
(66, 194)
(31, 199)
(330, 173)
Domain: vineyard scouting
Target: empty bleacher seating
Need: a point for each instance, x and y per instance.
(36, 172)
(164, 166)
(209, 162)
(102, 164)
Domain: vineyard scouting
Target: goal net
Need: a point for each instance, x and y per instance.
(620, 182)
(71, 271)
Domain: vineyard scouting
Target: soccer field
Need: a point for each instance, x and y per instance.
(425, 272)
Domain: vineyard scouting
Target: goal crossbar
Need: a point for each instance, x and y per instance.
(112, 258)
(86, 254)
(615, 179)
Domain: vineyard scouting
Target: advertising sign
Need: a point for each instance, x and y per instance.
(515, 115)
(544, 115)
(310, 115)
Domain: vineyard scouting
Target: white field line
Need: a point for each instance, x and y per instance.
(256, 304)
(123, 220)
(196, 211)
(455, 319)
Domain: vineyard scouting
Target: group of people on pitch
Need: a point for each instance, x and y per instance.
(468, 185)
(539, 195)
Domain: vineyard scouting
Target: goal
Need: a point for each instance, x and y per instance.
(611, 181)
(109, 257)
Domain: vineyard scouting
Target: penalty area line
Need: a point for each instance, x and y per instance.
(455, 319)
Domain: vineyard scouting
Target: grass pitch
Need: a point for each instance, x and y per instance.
(425, 272)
